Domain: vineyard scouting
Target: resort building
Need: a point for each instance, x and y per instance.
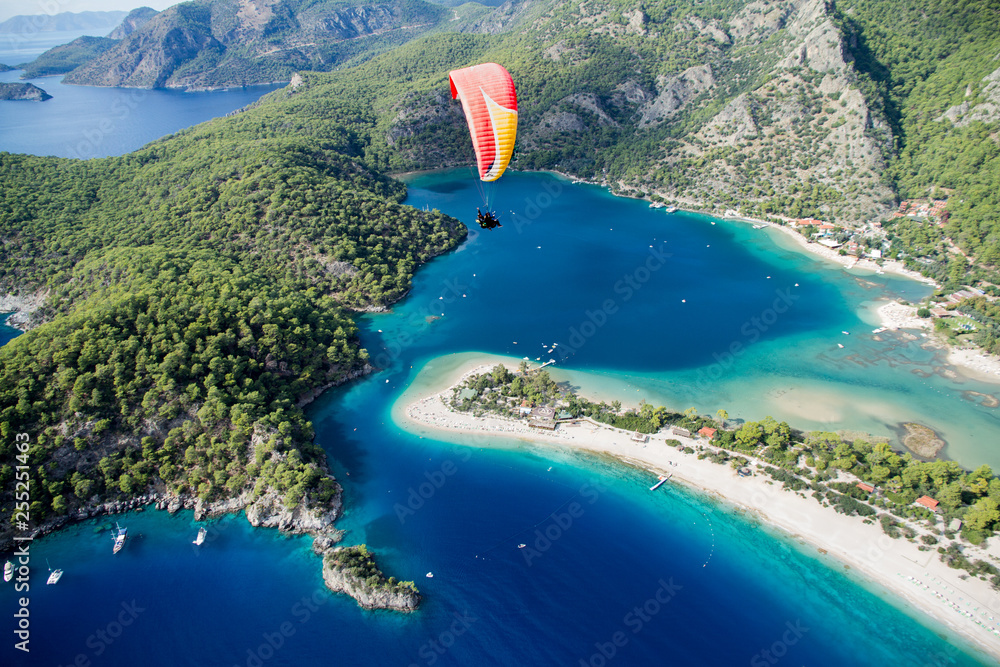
(677, 430)
(928, 502)
(542, 417)
(867, 488)
(707, 432)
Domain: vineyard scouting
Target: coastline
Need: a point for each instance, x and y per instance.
(894, 565)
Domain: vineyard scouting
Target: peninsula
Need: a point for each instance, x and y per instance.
(804, 484)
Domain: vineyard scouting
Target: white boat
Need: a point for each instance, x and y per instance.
(671, 209)
(8, 571)
(879, 330)
(846, 333)
(201, 536)
(119, 538)
(54, 576)
(840, 346)
(521, 546)
(430, 575)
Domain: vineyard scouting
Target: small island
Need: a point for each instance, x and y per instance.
(353, 570)
(23, 91)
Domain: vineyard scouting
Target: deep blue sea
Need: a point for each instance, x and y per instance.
(85, 121)
(617, 575)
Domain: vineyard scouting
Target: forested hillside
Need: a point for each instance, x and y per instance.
(798, 108)
(196, 289)
(196, 299)
(932, 66)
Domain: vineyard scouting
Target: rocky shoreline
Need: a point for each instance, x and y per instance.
(21, 307)
(386, 594)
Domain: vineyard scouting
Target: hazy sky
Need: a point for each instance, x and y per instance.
(10, 8)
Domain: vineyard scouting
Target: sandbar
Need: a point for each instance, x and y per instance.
(968, 607)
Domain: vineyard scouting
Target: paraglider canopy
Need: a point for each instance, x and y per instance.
(490, 102)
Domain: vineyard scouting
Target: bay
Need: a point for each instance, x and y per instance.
(636, 578)
(85, 122)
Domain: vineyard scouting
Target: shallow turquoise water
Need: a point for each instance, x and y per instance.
(616, 575)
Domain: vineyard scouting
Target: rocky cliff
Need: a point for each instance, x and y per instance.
(135, 20)
(352, 570)
(224, 43)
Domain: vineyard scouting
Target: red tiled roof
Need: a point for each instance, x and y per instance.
(867, 488)
(928, 502)
(707, 431)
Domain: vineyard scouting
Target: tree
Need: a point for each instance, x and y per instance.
(723, 416)
(983, 515)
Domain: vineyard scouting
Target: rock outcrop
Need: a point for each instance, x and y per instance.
(985, 108)
(675, 92)
(366, 583)
(222, 43)
(23, 92)
(135, 20)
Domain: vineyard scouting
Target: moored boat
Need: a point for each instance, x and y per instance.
(54, 576)
(119, 538)
(201, 536)
(8, 571)
(671, 209)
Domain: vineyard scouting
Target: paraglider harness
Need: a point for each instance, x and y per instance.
(487, 220)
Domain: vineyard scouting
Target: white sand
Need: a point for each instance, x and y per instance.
(968, 607)
(975, 363)
(895, 315)
(848, 261)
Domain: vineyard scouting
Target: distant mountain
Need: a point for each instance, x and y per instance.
(97, 21)
(67, 57)
(221, 43)
(135, 20)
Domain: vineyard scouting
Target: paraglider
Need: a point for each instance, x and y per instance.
(487, 220)
(490, 103)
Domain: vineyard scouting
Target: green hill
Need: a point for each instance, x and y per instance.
(199, 290)
(197, 297)
(66, 57)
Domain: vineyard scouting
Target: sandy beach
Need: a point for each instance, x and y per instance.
(969, 607)
(895, 315)
(975, 363)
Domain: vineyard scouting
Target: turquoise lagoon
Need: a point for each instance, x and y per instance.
(628, 578)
